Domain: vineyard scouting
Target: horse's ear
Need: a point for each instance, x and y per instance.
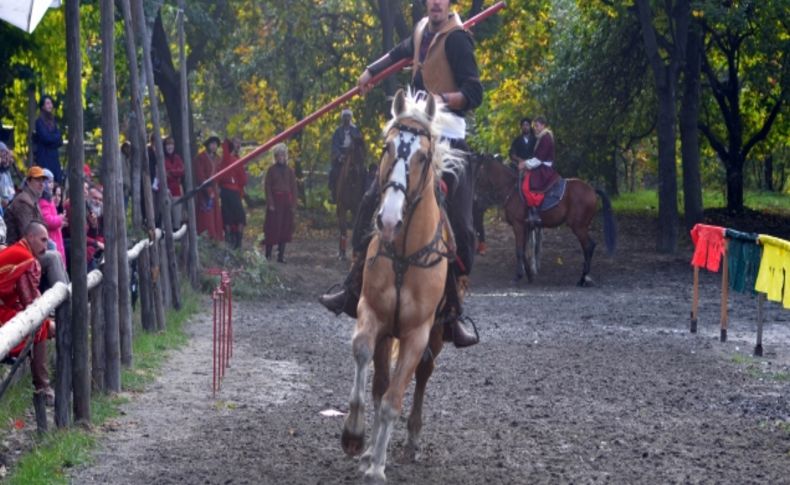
(430, 107)
(399, 103)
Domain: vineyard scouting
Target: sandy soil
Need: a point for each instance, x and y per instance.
(568, 384)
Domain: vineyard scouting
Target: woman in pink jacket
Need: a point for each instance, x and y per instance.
(49, 212)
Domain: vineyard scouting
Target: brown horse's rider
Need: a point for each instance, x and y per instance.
(542, 174)
(445, 66)
(342, 139)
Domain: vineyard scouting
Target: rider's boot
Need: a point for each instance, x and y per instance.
(457, 329)
(345, 300)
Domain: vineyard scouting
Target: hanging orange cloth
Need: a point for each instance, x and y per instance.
(773, 279)
(709, 246)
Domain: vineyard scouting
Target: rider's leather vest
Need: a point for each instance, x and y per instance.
(437, 76)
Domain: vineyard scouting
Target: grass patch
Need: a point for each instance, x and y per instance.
(646, 201)
(53, 454)
(754, 368)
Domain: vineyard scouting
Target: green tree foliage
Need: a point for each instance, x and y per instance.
(748, 74)
(596, 93)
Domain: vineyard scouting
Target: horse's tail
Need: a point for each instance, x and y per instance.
(609, 225)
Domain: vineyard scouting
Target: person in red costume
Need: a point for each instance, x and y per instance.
(209, 217)
(231, 191)
(20, 275)
(174, 167)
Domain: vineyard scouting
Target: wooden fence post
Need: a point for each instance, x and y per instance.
(97, 338)
(64, 369)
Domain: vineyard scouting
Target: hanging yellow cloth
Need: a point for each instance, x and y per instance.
(773, 279)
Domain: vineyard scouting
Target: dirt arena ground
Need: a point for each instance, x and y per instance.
(569, 385)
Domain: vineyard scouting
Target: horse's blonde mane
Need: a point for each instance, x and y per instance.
(445, 158)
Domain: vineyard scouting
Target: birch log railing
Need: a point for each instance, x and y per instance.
(26, 322)
(55, 299)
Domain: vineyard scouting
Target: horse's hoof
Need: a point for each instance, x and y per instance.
(409, 454)
(374, 478)
(365, 460)
(352, 444)
(586, 281)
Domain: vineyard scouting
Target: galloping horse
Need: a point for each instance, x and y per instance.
(496, 181)
(403, 281)
(349, 188)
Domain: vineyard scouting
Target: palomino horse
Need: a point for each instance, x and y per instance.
(403, 280)
(496, 181)
(349, 188)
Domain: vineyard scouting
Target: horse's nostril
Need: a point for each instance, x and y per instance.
(398, 225)
(379, 224)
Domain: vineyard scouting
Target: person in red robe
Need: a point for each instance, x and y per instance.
(209, 217)
(280, 187)
(231, 190)
(174, 166)
(540, 175)
(20, 275)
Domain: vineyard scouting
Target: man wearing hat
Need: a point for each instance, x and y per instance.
(341, 141)
(209, 217)
(444, 66)
(23, 208)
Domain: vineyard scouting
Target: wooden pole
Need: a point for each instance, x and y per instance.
(110, 172)
(725, 291)
(192, 249)
(77, 252)
(695, 301)
(63, 375)
(164, 201)
(148, 273)
(758, 348)
(97, 339)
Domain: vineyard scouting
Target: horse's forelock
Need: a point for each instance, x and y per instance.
(445, 158)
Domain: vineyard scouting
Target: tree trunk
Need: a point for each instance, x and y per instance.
(31, 120)
(153, 313)
(76, 155)
(192, 249)
(168, 79)
(735, 186)
(164, 201)
(689, 130)
(666, 79)
(768, 172)
(110, 173)
(387, 29)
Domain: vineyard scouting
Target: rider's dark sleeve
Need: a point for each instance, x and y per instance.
(404, 50)
(460, 50)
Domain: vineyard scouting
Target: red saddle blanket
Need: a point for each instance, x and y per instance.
(536, 183)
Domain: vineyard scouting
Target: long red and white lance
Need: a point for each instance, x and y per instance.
(332, 104)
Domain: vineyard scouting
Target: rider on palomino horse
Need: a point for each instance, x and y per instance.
(444, 65)
(341, 142)
(540, 174)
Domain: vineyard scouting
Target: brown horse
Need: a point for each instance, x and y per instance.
(349, 188)
(403, 281)
(499, 182)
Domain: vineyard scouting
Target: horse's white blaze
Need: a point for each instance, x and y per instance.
(391, 212)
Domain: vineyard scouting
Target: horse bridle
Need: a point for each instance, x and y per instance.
(429, 255)
(403, 154)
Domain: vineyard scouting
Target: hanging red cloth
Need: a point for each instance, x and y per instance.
(709, 246)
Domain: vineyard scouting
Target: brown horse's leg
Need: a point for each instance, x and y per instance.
(588, 248)
(424, 371)
(519, 233)
(412, 346)
(363, 343)
(341, 224)
(381, 381)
